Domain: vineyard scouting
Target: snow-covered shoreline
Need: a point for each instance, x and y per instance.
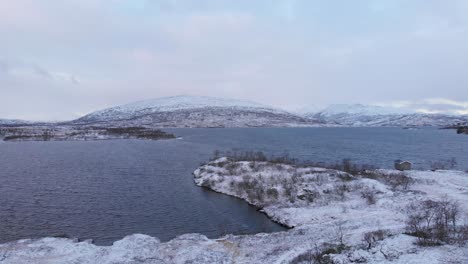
(314, 198)
(331, 212)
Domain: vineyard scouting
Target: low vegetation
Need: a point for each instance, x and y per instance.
(396, 180)
(345, 165)
(319, 254)
(371, 238)
(384, 213)
(48, 133)
(449, 164)
(264, 180)
(436, 222)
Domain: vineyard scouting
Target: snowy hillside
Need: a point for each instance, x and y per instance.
(12, 122)
(366, 115)
(195, 111)
(365, 110)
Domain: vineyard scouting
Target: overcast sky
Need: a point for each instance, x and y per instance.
(61, 59)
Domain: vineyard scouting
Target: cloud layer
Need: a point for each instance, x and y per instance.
(59, 59)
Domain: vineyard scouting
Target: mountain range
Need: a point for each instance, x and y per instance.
(6, 122)
(372, 116)
(204, 111)
(196, 111)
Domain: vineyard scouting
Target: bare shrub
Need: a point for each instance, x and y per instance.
(398, 181)
(340, 190)
(444, 164)
(208, 183)
(462, 235)
(290, 191)
(435, 222)
(345, 177)
(272, 193)
(319, 254)
(370, 238)
(369, 195)
(216, 154)
(283, 159)
(232, 167)
(348, 166)
(371, 174)
(320, 179)
(296, 177)
(345, 165)
(309, 195)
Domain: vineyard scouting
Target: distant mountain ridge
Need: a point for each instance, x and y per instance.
(204, 111)
(196, 111)
(372, 116)
(366, 110)
(13, 122)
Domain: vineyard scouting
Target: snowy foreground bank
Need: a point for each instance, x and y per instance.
(337, 218)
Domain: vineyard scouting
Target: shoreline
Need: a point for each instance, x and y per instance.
(317, 221)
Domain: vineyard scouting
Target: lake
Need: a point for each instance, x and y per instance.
(106, 190)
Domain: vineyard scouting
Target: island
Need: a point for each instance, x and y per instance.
(79, 133)
(462, 130)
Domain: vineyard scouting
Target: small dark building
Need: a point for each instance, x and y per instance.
(403, 165)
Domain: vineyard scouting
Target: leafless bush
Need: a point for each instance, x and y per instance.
(272, 193)
(369, 195)
(232, 167)
(444, 164)
(397, 181)
(208, 183)
(435, 222)
(216, 155)
(321, 179)
(309, 195)
(370, 238)
(340, 190)
(345, 165)
(345, 176)
(235, 155)
(319, 254)
(290, 191)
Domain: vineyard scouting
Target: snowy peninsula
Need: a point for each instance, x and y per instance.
(366, 216)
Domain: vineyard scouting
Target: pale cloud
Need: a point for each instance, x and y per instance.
(21, 71)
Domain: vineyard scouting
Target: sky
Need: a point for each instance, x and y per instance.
(63, 59)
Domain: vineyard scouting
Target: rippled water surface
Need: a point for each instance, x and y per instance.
(105, 190)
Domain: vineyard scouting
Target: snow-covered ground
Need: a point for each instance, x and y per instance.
(331, 212)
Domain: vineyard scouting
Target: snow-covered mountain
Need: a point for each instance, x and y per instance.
(366, 115)
(9, 122)
(195, 111)
(363, 110)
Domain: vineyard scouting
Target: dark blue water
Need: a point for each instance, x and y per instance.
(108, 189)
(374, 146)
